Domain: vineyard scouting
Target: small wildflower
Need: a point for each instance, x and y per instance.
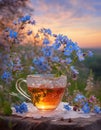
(32, 68)
(6, 75)
(22, 108)
(80, 56)
(24, 18)
(67, 52)
(68, 60)
(40, 63)
(47, 51)
(97, 109)
(67, 107)
(56, 45)
(79, 97)
(86, 108)
(90, 53)
(45, 31)
(27, 17)
(74, 70)
(55, 59)
(46, 41)
(13, 34)
(48, 31)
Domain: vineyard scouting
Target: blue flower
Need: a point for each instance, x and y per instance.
(65, 39)
(32, 68)
(79, 97)
(22, 108)
(90, 53)
(44, 67)
(56, 45)
(62, 39)
(46, 41)
(55, 59)
(59, 37)
(48, 31)
(67, 107)
(45, 31)
(80, 56)
(86, 108)
(76, 100)
(40, 63)
(74, 70)
(76, 47)
(13, 34)
(97, 109)
(47, 51)
(27, 17)
(68, 60)
(67, 52)
(24, 18)
(6, 75)
(71, 47)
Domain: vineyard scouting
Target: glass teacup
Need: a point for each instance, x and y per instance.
(46, 91)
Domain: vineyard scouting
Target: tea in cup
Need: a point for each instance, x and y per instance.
(45, 91)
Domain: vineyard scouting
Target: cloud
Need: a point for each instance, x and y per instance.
(77, 8)
(78, 18)
(66, 11)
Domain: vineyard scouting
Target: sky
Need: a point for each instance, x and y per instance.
(80, 20)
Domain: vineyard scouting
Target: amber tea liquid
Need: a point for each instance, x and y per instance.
(46, 98)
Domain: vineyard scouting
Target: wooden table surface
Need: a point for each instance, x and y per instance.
(19, 123)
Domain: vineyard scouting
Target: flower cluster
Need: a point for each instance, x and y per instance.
(11, 61)
(19, 31)
(22, 108)
(58, 54)
(87, 105)
(55, 54)
(6, 76)
(9, 66)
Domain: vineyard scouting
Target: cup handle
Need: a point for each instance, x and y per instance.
(20, 90)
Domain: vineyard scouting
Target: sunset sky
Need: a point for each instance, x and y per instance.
(80, 20)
